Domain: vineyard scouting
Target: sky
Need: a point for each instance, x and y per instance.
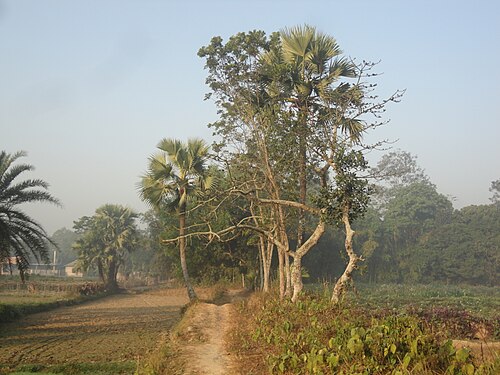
(89, 87)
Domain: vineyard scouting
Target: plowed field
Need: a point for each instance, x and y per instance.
(118, 328)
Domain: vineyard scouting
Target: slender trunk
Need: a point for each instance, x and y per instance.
(288, 275)
(267, 266)
(182, 252)
(297, 278)
(261, 267)
(341, 283)
(265, 255)
(302, 188)
(281, 271)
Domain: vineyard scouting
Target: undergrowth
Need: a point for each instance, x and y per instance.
(312, 337)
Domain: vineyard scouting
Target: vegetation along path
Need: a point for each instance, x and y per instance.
(120, 328)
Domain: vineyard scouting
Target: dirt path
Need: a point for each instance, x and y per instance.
(118, 328)
(204, 337)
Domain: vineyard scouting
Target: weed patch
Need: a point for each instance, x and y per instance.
(312, 337)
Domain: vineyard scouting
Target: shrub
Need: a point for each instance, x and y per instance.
(312, 337)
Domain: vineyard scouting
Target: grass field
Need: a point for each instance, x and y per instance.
(481, 301)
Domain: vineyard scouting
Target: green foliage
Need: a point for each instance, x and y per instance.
(21, 237)
(311, 337)
(105, 241)
(495, 190)
(64, 239)
(349, 191)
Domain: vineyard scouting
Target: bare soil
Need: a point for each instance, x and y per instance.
(204, 348)
(119, 328)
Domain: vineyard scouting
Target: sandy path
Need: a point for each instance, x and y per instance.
(118, 328)
(204, 348)
(207, 354)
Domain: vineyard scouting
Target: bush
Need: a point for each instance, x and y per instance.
(312, 337)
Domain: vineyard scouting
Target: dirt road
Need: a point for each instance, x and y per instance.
(204, 337)
(118, 328)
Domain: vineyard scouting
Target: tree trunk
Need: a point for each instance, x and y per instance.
(267, 266)
(265, 255)
(111, 283)
(341, 283)
(281, 271)
(288, 275)
(297, 259)
(297, 278)
(101, 271)
(182, 252)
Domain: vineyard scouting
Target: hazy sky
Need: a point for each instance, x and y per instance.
(88, 88)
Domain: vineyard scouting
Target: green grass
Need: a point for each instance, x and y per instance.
(481, 301)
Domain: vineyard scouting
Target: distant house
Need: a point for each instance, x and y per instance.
(70, 269)
(9, 266)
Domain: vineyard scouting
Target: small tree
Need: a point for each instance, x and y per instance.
(495, 190)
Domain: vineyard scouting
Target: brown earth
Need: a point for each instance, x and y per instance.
(123, 327)
(203, 348)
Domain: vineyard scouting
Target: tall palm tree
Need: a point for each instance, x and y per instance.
(21, 237)
(175, 175)
(303, 74)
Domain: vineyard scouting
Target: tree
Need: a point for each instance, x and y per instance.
(284, 109)
(64, 239)
(495, 189)
(395, 170)
(20, 235)
(174, 176)
(105, 240)
(415, 210)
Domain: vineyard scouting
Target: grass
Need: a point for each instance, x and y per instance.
(76, 369)
(481, 301)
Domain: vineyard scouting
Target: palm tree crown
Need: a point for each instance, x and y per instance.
(176, 173)
(106, 239)
(21, 237)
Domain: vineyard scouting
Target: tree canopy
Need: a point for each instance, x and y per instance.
(21, 237)
(105, 240)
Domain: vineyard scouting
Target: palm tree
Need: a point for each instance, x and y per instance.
(175, 175)
(303, 74)
(105, 240)
(21, 237)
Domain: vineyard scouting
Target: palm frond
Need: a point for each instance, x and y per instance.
(20, 235)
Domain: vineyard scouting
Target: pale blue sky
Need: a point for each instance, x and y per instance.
(88, 88)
